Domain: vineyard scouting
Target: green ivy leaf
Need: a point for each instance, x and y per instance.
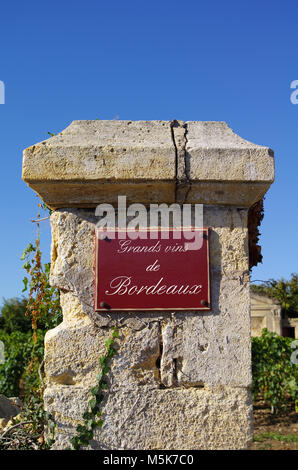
(87, 415)
(109, 342)
(95, 390)
(25, 282)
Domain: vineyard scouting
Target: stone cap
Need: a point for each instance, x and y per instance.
(91, 162)
(263, 298)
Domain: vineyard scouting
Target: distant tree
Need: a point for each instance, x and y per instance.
(13, 316)
(286, 292)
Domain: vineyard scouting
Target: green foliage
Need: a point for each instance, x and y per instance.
(34, 412)
(274, 375)
(276, 436)
(30, 381)
(43, 306)
(13, 316)
(45, 207)
(286, 292)
(44, 310)
(27, 430)
(21, 374)
(18, 347)
(92, 417)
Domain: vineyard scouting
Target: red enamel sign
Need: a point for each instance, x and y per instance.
(160, 273)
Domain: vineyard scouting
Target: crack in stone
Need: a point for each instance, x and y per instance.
(172, 124)
(182, 182)
(158, 360)
(186, 164)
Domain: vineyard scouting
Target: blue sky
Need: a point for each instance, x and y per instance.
(194, 60)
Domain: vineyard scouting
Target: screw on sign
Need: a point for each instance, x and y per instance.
(152, 273)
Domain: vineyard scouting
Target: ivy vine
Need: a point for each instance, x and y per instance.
(92, 417)
(22, 373)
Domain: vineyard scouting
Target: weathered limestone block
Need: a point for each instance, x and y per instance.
(95, 158)
(150, 418)
(213, 145)
(179, 380)
(191, 354)
(152, 161)
(217, 160)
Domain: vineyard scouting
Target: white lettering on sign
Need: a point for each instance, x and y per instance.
(122, 285)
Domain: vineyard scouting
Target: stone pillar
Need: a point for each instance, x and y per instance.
(180, 380)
